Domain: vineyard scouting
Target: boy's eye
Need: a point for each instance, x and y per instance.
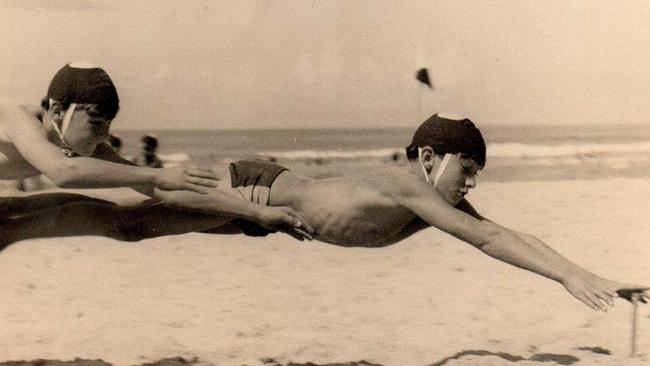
(468, 171)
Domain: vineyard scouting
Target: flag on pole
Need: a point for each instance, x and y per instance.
(423, 76)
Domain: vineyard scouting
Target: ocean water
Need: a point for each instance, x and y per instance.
(548, 152)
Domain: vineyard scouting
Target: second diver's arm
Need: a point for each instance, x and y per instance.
(215, 202)
(218, 203)
(29, 137)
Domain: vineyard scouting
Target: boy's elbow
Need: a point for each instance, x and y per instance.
(493, 238)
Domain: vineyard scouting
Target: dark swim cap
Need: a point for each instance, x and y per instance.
(451, 136)
(83, 83)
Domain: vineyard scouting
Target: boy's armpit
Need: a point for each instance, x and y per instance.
(467, 208)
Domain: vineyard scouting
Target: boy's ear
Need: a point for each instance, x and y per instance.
(56, 111)
(428, 155)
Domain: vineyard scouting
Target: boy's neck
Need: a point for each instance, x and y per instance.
(414, 168)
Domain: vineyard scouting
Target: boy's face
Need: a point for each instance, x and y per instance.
(86, 131)
(458, 177)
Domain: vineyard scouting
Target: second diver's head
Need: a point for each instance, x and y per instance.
(81, 102)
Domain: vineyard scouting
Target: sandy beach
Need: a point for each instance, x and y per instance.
(429, 300)
(558, 89)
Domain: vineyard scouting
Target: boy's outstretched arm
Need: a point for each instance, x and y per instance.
(28, 135)
(581, 283)
(507, 246)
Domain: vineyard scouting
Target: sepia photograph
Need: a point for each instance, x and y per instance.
(324, 183)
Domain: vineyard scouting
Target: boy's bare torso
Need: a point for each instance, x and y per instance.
(353, 210)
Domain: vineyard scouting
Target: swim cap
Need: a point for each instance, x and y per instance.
(449, 135)
(84, 83)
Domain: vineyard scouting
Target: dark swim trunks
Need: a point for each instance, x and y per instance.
(253, 179)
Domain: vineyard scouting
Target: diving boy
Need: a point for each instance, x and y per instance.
(383, 207)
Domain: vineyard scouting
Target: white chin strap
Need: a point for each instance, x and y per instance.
(66, 122)
(443, 166)
(441, 169)
(67, 150)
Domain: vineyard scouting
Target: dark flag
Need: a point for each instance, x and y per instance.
(423, 76)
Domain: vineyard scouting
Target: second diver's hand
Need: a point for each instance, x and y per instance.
(285, 219)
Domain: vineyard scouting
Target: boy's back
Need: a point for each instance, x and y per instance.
(356, 210)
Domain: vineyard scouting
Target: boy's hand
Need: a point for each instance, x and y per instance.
(597, 292)
(186, 178)
(287, 220)
(591, 290)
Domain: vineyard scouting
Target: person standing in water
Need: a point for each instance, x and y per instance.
(148, 156)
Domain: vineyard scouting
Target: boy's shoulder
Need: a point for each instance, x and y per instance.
(12, 112)
(395, 181)
(9, 107)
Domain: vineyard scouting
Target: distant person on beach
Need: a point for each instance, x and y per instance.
(384, 207)
(66, 140)
(148, 156)
(115, 142)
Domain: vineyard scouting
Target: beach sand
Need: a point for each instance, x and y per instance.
(429, 300)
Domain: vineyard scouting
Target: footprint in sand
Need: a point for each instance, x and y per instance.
(560, 359)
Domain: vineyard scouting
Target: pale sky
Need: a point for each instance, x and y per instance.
(308, 64)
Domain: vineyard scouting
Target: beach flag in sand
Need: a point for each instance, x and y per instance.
(423, 76)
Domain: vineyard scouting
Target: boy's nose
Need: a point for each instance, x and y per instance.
(470, 181)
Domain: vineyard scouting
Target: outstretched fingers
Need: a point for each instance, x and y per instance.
(589, 297)
(296, 233)
(199, 172)
(203, 182)
(608, 298)
(197, 188)
(303, 233)
(200, 179)
(597, 296)
(605, 297)
(298, 221)
(295, 225)
(587, 301)
(601, 304)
